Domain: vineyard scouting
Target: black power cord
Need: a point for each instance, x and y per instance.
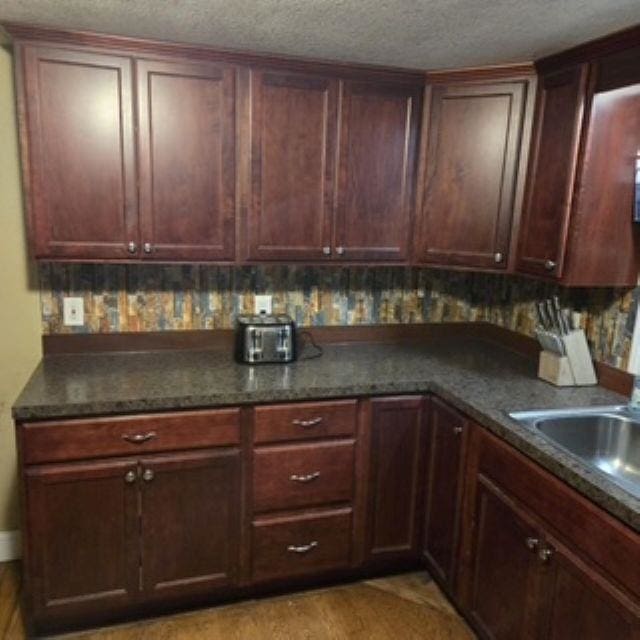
(312, 342)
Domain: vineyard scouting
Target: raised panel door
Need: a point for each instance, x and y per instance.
(472, 166)
(378, 134)
(187, 160)
(79, 163)
(293, 134)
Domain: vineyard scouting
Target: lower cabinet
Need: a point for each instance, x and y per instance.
(396, 478)
(109, 535)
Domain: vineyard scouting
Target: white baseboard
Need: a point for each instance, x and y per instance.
(10, 547)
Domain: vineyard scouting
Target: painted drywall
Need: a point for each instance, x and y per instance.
(19, 306)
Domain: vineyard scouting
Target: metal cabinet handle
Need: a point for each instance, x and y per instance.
(326, 251)
(146, 247)
(130, 477)
(307, 423)
(139, 438)
(545, 554)
(148, 475)
(304, 479)
(498, 257)
(532, 543)
(340, 251)
(549, 265)
(458, 430)
(303, 548)
(132, 247)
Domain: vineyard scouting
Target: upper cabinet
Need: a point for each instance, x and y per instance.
(332, 166)
(473, 171)
(293, 123)
(578, 224)
(186, 148)
(378, 134)
(78, 147)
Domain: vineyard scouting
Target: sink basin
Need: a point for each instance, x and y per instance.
(606, 438)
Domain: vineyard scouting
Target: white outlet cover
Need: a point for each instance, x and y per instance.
(73, 311)
(263, 304)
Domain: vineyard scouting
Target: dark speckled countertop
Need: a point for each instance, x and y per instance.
(480, 378)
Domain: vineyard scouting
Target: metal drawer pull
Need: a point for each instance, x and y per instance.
(303, 548)
(545, 554)
(148, 475)
(139, 438)
(549, 265)
(130, 477)
(307, 423)
(308, 478)
(458, 430)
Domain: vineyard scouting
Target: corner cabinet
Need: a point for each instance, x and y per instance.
(578, 224)
(476, 135)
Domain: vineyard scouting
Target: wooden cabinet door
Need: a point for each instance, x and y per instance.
(378, 133)
(293, 137)
(552, 171)
(582, 603)
(503, 598)
(79, 164)
(397, 443)
(447, 432)
(472, 166)
(187, 160)
(81, 555)
(190, 522)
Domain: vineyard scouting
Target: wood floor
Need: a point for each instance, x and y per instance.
(404, 607)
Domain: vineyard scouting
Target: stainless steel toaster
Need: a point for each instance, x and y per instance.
(265, 338)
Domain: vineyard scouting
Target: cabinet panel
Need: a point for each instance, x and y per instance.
(190, 522)
(445, 441)
(583, 605)
(397, 442)
(187, 160)
(378, 133)
(82, 549)
(80, 166)
(552, 171)
(502, 594)
(472, 156)
(293, 136)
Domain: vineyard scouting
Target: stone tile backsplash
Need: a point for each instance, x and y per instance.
(183, 297)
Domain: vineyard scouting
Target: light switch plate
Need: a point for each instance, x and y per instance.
(73, 311)
(263, 304)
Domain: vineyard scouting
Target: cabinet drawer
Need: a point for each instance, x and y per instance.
(304, 420)
(286, 477)
(304, 544)
(100, 437)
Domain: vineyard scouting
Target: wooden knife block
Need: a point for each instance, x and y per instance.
(573, 369)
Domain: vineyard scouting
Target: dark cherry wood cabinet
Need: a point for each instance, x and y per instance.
(578, 226)
(474, 167)
(396, 477)
(82, 555)
(447, 431)
(78, 153)
(293, 137)
(376, 173)
(186, 149)
(190, 522)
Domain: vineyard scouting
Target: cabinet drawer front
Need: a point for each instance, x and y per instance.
(99, 437)
(304, 544)
(304, 420)
(287, 477)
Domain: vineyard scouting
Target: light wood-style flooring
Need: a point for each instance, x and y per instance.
(404, 607)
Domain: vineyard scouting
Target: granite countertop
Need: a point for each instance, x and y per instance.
(479, 378)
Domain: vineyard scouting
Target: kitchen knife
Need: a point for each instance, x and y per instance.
(542, 312)
(562, 321)
(551, 312)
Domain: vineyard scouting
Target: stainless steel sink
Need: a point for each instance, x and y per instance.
(606, 438)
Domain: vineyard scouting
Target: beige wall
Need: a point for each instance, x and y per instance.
(19, 306)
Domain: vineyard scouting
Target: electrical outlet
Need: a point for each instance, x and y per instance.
(263, 304)
(73, 312)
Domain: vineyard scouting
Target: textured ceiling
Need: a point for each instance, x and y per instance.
(426, 34)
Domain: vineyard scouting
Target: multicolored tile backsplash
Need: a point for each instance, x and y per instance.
(158, 297)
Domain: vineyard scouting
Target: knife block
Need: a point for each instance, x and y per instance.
(573, 368)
